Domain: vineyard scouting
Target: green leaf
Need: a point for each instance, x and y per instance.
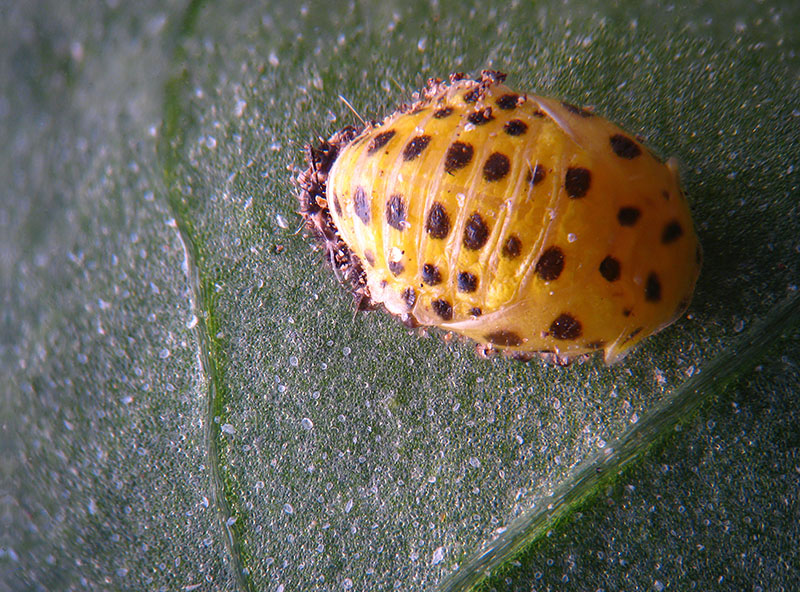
(193, 403)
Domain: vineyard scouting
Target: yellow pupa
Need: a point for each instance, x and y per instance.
(523, 222)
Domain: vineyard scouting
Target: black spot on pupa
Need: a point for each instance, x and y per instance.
(396, 267)
(504, 338)
(672, 232)
(475, 311)
(437, 222)
(496, 167)
(410, 297)
(507, 102)
(480, 117)
(431, 274)
(443, 112)
(380, 141)
(576, 110)
(633, 334)
(443, 308)
(512, 247)
(610, 269)
(471, 96)
(415, 147)
(566, 327)
(577, 181)
(396, 212)
(626, 312)
(467, 282)
(337, 206)
(628, 215)
(459, 154)
(550, 264)
(624, 147)
(361, 204)
(370, 257)
(665, 194)
(652, 288)
(596, 344)
(515, 127)
(536, 175)
(476, 233)
(537, 113)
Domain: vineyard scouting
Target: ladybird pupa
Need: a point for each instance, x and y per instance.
(523, 222)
